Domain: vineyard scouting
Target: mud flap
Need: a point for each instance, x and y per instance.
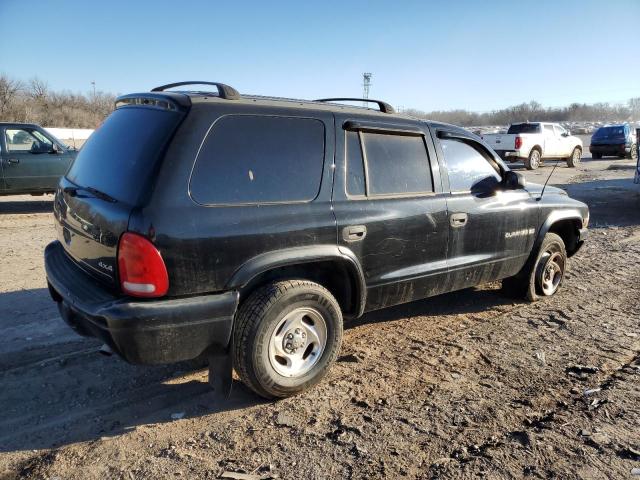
(220, 372)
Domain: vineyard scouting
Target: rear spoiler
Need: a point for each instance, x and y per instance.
(163, 101)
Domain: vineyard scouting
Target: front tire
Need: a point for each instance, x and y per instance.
(575, 158)
(532, 162)
(633, 154)
(545, 276)
(286, 337)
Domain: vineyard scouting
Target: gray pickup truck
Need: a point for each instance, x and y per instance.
(31, 159)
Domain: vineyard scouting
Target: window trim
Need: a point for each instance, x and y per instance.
(383, 130)
(255, 204)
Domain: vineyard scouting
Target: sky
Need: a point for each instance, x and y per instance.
(429, 55)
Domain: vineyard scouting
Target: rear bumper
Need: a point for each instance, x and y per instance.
(509, 155)
(140, 331)
(619, 149)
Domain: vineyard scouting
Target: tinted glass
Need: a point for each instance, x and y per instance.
(121, 156)
(259, 159)
(524, 128)
(604, 132)
(468, 168)
(355, 167)
(396, 164)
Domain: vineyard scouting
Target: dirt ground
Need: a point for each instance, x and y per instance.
(465, 385)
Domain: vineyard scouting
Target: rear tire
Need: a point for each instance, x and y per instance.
(633, 154)
(575, 158)
(286, 337)
(533, 161)
(543, 277)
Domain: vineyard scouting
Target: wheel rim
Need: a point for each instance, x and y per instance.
(576, 156)
(634, 152)
(535, 159)
(297, 342)
(551, 272)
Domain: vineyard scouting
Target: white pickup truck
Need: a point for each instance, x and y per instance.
(533, 142)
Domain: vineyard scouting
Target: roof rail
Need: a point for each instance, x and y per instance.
(384, 106)
(224, 91)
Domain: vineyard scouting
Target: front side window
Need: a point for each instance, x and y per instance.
(26, 140)
(252, 159)
(469, 169)
(548, 129)
(559, 130)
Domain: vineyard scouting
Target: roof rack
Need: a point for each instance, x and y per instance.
(384, 106)
(224, 91)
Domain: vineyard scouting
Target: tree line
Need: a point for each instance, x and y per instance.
(34, 102)
(576, 112)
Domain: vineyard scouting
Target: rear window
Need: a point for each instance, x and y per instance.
(396, 164)
(251, 159)
(121, 156)
(524, 128)
(609, 132)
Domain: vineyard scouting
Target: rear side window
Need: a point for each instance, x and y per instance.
(524, 128)
(393, 164)
(468, 169)
(121, 156)
(249, 159)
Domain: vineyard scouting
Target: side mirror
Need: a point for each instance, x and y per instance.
(565, 134)
(514, 180)
(55, 148)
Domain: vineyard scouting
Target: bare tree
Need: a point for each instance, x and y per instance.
(9, 90)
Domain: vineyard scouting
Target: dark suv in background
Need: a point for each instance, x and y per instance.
(614, 140)
(246, 228)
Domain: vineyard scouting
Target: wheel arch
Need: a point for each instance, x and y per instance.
(336, 268)
(567, 225)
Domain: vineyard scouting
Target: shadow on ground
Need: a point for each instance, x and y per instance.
(56, 394)
(613, 202)
(25, 206)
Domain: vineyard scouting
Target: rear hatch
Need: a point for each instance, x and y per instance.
(111, 176)
(609, 136)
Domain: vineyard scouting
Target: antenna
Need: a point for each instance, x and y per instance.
(366, 85)
(545, 183)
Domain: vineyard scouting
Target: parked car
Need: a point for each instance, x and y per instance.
(614, 140)
(533, 142)
(246, 229)
(31, 160)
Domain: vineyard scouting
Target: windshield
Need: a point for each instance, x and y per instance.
(609, 132)
(524, 128)
(121, 156)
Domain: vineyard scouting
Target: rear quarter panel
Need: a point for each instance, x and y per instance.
(204, 245)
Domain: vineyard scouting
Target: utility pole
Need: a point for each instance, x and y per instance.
(93, 82)
(366, 85)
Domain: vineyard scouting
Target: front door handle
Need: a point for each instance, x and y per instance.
(354, 233)
(13, 161)
(458, 220)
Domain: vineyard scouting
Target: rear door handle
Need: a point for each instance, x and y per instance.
(354, 233)
(458, 220)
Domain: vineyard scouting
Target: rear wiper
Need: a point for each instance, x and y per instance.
(94, 191)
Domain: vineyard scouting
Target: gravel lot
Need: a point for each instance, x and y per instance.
(464, 385)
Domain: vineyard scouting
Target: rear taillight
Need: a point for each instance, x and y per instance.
(518, 142)
(142, 270)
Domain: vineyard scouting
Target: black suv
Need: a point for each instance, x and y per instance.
(616, 140)
(245, 228)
